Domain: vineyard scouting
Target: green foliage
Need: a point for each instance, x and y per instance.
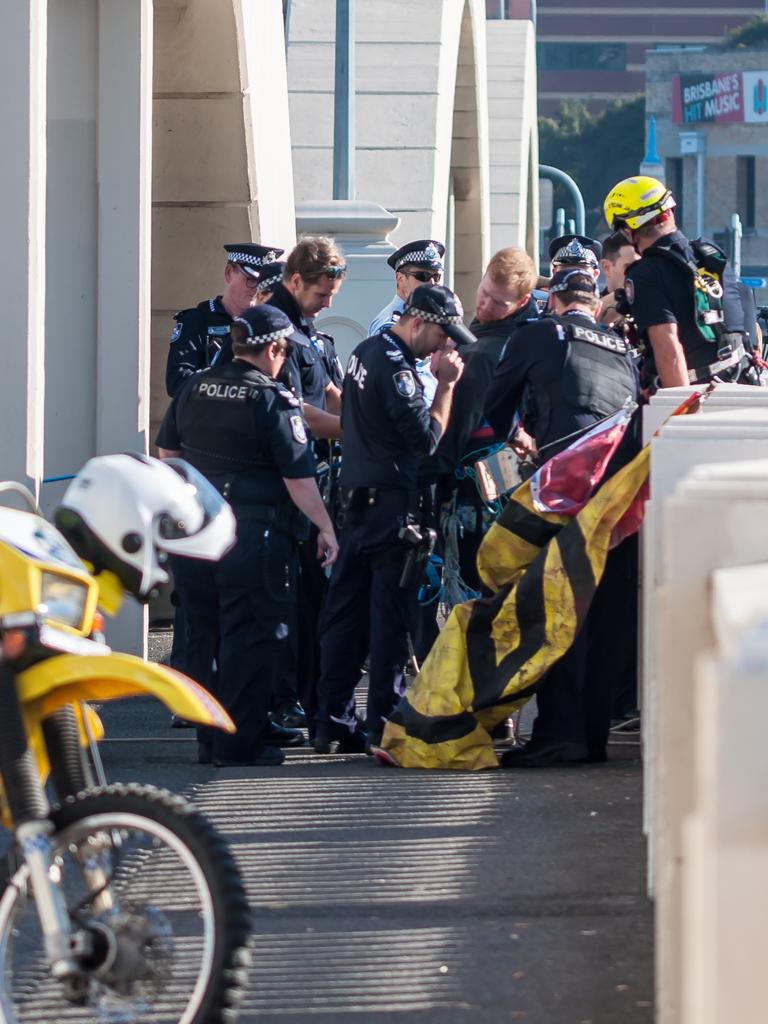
(597, 150)
(754, 33)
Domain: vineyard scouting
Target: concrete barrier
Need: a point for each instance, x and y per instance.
(725, 837)
(714, 519)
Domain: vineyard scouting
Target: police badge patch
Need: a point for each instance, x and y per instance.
(405, 383)
(298, 429)
(629, 290)
(176, 333)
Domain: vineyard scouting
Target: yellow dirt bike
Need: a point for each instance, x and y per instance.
(123, 905)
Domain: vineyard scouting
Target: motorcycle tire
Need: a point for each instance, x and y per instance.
(155, 963)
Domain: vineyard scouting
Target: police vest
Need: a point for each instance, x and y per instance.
(598, 374)
(717, 306)
(218, 422)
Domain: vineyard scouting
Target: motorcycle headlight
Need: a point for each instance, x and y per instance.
(64, 599)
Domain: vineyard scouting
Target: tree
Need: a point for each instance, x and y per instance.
(597, 150)
(754, 33)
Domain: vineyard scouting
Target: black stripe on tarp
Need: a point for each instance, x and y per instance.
(527, 525)
(578, 567)
(489, 679)
(432, 729)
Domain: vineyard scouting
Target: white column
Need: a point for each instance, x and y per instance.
(22, 239)
(124, 245)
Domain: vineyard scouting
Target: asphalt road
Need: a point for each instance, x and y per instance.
(423, 896)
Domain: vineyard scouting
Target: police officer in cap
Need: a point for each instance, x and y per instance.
(387, 427)
(569, 251)
(244, 431)
(201, 332)
(269, 277)
(683, 295)
(573, 372)
(415, 263)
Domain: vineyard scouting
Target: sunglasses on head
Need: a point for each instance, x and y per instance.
(336, 271)
(425, 276)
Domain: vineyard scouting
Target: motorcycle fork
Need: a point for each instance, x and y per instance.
(33, 829)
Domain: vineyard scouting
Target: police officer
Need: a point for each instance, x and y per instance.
(387, 427)
(269, 276)
(415, 263)
(683, 296)
(244, 431)
(573, 372)
(201, 332)
(580, 251)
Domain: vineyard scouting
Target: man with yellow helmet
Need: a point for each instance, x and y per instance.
(683, 295)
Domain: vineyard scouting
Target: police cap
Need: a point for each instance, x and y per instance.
(571, 279)
(424, 252)
(439, 305)
(251, 257)
(264, 324)
(574, 249)
(270, 276)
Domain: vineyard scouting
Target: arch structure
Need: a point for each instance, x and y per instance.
(421, 119)
(222, 155)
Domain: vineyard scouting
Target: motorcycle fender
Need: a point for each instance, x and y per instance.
(70, 678)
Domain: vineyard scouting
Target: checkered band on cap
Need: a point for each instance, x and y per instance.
(433, 318)
(253, 261)
(575, 251)
(428, 255)
(267, 284)
(262, 339)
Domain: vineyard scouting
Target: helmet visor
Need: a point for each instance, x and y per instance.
(213, 532)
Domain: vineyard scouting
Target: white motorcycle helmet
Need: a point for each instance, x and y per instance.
(127, 513)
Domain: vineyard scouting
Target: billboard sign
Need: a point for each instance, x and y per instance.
(720, 98)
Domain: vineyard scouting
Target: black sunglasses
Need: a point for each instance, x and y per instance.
(333, 272)
(425, 276)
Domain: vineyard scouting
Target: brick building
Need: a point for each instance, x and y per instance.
(596, 52)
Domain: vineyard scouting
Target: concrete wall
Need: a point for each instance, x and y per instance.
(422, 133)
(222, 159)
(514, 141)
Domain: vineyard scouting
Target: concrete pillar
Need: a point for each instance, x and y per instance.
(362, 231)
(706, 524)
(71, 242)
(23, 50)
(124, 253)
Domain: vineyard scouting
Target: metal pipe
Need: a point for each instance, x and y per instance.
(344, 103)
(555, 174)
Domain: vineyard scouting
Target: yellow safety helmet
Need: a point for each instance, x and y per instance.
(635, 201)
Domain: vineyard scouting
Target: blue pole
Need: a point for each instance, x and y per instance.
(555, 174)
(344, 102)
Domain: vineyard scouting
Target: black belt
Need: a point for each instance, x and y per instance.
(382, 496)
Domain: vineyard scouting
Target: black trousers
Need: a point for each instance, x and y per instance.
(366, 612)
(576, 697)
(238, 611)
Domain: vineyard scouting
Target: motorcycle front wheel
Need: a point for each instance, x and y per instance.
(156, 888)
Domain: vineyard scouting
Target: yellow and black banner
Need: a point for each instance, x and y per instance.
(543, 569)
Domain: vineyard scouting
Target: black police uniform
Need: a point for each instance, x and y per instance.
(660, 290)
(245, 433)
(387, 428)
(196, 340)
(572, 373)
(304, 371)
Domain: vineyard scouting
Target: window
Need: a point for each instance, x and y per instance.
(745, 190)
(674, 179)
(582, 56)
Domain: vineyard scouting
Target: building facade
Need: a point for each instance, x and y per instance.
(596, 52)
(711, 111)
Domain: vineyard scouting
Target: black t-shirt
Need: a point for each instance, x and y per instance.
(384, 418)
(235, 423)
(200, 336)
(534, 367)
(304, 371)
(660, 291)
